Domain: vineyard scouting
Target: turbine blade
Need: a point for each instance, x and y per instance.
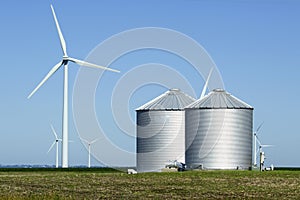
(259, 127)
(258, 140)
(206, 84)
(51, 146)
(87, 64)
(50, 73)
(95, 140)
(54, 132)
(267, 145)
(257, 153)
(84, 140)
(61, 37)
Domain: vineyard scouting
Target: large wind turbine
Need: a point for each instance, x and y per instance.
(64, 62)
(89, 143)
(55, 142)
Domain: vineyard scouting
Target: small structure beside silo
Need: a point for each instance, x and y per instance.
(218, 132)
(161, 130)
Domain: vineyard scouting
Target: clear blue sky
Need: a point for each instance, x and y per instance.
(255, 45)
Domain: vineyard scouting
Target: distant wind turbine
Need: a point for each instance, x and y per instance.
(89, 143)
(255, 142)
(262, 154)
(64, 62)
(55, 142)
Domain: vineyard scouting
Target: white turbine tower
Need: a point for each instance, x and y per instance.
(55, 142)
(89, 143)
(255, 142)
(64, 62)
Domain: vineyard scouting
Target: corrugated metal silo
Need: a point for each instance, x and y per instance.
(161, 130)
(219, 132)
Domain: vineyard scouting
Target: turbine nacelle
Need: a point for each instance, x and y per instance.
(64, 62)
(65, 58)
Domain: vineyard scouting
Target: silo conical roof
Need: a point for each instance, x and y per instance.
(173, 99)
(219, 99)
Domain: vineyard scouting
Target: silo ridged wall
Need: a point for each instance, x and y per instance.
(218, 138)
(160, 138)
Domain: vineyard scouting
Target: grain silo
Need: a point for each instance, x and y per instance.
(219, 132)
(161, 130)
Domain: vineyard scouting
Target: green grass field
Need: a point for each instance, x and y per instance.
(111, 184)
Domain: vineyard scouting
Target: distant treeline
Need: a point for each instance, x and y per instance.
(100, 170)
(287, 168)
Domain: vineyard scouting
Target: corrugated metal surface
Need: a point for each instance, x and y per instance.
(160, 138)
(173, 99)
(160, 131)
(219, 137)
(219, 98)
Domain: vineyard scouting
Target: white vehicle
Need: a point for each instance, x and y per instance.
(131, 171)
(175, 164)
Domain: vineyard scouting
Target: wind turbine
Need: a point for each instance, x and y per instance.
(255, 141)
(206, 84)
(64, 62)
(55, 142)
(89, 143)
